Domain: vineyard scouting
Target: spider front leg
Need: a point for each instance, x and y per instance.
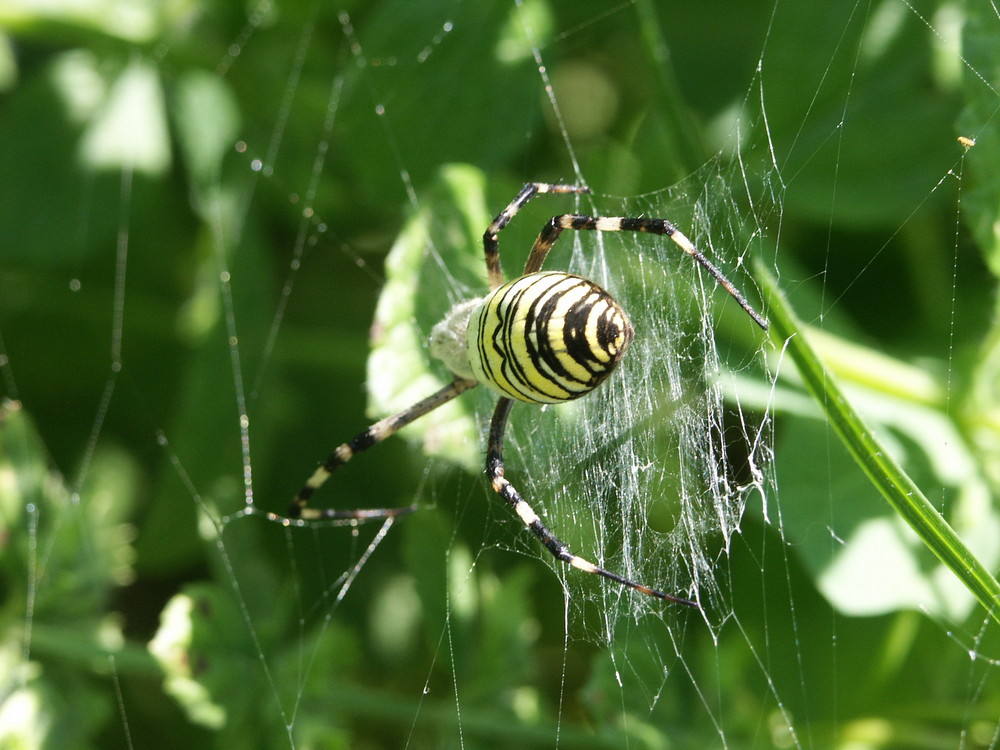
(344, 452)
(559, 550)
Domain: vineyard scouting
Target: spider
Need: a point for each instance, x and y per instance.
(542, 338)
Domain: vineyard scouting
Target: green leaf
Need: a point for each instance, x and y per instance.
(439, 247)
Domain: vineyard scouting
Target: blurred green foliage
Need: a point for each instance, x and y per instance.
(155, 163)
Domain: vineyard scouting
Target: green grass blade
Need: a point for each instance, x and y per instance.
(887, 475)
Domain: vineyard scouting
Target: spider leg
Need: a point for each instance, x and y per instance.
(559, 550)
(555, 226)
(375, 434)
(491, 244)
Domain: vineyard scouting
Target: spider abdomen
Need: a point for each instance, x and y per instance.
(547, 337)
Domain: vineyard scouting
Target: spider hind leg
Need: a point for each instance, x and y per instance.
(558, 549)
(491, 242)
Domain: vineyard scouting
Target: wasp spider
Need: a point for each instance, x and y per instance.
(543, 338)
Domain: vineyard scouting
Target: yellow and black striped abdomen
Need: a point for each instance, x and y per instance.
(547, 337)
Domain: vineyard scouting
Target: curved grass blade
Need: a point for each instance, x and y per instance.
(884, 472)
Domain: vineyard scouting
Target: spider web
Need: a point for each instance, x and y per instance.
(248, 170)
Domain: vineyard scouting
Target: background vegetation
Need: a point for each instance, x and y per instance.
(136, 128)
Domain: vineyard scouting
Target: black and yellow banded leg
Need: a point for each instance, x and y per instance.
(491, 245)
(559, 550)
(361, 442)
(555, 226)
